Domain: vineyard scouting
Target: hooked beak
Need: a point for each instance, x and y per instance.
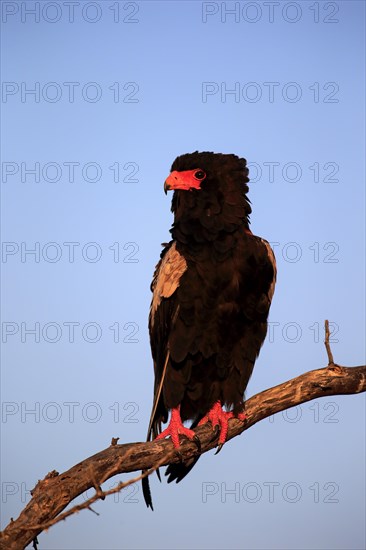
(171, 181)
(184, 180)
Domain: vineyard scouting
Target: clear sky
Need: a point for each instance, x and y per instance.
(119, 90)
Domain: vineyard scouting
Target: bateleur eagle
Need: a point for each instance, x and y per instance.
(212, 291)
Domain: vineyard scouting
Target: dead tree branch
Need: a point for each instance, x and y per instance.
(327, 344)
(52, 494)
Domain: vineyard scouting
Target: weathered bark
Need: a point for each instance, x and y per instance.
(52, 494)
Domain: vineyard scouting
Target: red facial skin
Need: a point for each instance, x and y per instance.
(185, 180)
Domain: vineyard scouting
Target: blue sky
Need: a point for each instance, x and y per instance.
(114, 102)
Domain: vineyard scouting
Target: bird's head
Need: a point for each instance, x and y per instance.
(210, 189)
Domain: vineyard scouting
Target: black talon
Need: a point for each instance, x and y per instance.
(215, 433)
(219, 447)
(216, 430)
(197, 441)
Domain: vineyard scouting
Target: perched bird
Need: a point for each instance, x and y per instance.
(212, 291)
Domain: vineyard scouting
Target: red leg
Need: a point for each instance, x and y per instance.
(218, 417)
(176, 428)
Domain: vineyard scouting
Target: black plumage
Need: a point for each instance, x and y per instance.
(212, 291)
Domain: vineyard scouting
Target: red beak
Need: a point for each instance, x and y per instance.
(182, 180)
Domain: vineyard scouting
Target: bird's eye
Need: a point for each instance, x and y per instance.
(199, 175)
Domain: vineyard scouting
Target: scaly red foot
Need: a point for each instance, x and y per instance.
(218, 417)
(176, 428)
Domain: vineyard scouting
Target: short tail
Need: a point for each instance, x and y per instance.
(177, 472)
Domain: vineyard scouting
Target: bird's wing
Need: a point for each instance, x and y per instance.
(272, 262)
(163, 313)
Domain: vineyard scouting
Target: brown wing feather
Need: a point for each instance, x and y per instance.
(166, 277)
(163, 312)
